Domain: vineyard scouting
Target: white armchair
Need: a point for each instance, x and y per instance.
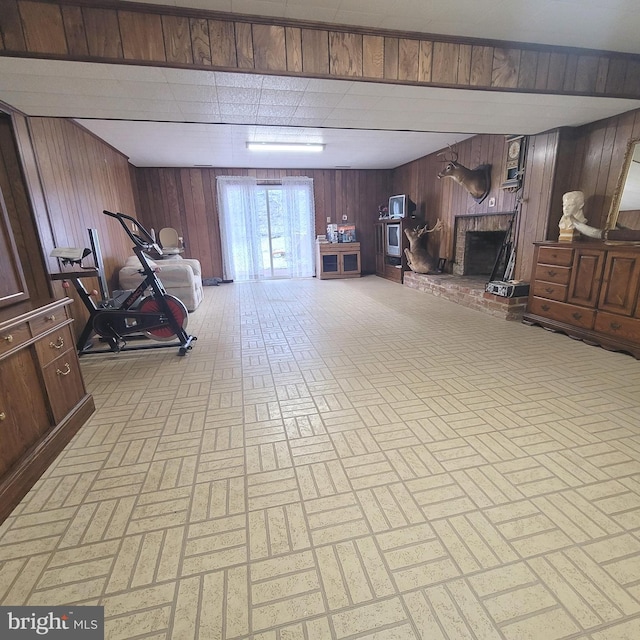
(181, 278)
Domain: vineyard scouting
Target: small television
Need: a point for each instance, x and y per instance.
(393, 241)
(401, 206)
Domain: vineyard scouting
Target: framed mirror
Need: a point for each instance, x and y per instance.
(625, 206)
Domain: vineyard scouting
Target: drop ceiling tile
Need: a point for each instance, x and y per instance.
(238, 95)
(274, 8)
(320, 85)
(210, 108)
(275, 120)
(241, 80)
(239, 110)
(147, 90)
(134, 73)
(189, 76)
(310, 12)
(194, 93)
(283, 83)
(351, 101)
(313, 112)
(316, 99)
(272, 97)
(276, 111)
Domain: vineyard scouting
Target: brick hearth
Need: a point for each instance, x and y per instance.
(469, 292)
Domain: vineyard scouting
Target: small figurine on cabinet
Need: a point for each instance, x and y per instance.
(572, 206)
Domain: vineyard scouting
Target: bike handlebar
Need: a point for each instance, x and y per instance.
(147, 242)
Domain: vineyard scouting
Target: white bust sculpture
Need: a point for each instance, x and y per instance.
(572, 206)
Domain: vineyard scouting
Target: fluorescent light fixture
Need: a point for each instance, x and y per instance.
(300, 147)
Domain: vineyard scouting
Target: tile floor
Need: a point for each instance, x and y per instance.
(345, 459)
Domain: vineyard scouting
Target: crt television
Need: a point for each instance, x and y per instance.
(393, 241)
(401, 206)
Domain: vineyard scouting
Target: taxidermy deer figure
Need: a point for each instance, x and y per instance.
(476, 181)
(418, 258)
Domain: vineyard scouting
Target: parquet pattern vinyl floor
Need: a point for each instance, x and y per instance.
(345, 459)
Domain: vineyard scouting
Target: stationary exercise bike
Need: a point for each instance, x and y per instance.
(158, 315)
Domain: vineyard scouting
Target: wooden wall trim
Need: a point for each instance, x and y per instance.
(108, 31)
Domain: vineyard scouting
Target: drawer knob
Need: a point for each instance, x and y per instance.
(576, 315)
(549, 289)
(58, 344)
(50, 318)
(615, 326)
(3, 416)
(545, 307)
(552, 273)
(8, 338)
(67, 370)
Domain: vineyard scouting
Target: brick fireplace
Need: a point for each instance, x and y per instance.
(477, 241)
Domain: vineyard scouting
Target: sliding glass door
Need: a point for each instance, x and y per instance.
(271, 227)
(267, 231)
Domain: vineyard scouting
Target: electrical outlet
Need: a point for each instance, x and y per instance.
(328, 218)
(134, 227)
(344, 218)
(492, 202)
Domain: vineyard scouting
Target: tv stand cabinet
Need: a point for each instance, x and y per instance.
(392, 267)
(337, 260)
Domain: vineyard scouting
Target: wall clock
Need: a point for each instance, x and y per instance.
(514, 164)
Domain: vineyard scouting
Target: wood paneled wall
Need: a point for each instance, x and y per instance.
(588, 159)
(80, 176)
(186, 199)
(108, 32)
(446, 199)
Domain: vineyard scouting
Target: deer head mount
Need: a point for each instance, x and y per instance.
(476, 181)
(418, 258)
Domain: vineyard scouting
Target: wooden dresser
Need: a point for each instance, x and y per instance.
(589, 291)
(43, 400)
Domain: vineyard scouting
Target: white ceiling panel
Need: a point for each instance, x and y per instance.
(114, 101)
(178, 117)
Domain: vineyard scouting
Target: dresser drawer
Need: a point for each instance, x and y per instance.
(64, 384)
(550, 290)
(568, 313)
(46, 321)
(52, 345)
(555, 255)
(553, 273)
(618, 326)
(13, 338)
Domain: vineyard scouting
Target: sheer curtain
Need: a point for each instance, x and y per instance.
(242, 251)
(237, 206)
(299, 225)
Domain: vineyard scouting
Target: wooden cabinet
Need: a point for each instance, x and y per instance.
(589, 291)
(43, 401)
(392, 267)
(337, 260)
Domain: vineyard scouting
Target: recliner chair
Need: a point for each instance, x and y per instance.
(170, 241)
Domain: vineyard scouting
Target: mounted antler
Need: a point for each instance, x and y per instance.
(444, 153)
(476, 181)
(420, 231)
